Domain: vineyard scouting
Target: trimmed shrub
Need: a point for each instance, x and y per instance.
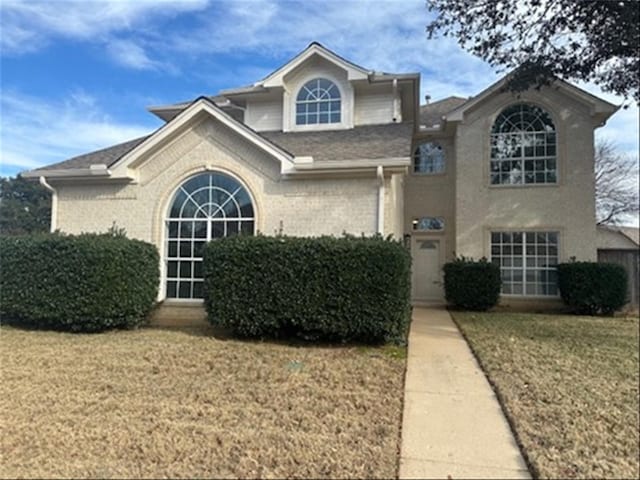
(84, 283)
(326, 288)
(592, 288)
(472, 285)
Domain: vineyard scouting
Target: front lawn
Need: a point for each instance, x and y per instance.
(569, 385)
(181, 403)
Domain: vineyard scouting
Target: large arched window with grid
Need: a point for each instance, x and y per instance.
(523, 147)
(205, 207)
(318, 102)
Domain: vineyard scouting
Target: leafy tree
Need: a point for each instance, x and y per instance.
(587, 40)
(25, 206)
(616, 184)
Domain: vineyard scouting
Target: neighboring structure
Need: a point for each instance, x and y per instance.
(621, 245)
(323, 146)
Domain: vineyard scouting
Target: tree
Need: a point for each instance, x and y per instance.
(587, 40)
(25, 206)
(616, 184)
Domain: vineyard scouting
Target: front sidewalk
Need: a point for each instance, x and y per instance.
(453, 425)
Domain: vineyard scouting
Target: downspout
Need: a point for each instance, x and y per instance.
(54, 203)
(396, 111)
(380, 175)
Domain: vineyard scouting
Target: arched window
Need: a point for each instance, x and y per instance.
(318, 102)
(523, 147)
(205, 207)
(428, 158)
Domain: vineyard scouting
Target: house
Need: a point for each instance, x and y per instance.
(322, 146)
(621, 245)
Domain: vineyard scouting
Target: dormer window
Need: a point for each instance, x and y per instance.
(318, 102)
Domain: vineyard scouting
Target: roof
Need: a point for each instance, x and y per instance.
(624, 237)
(106, 156)
(632, 233)
(432, 113)
(363, 142)
(601, 109)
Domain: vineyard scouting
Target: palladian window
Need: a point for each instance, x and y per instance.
(428, 158)
(318, 102)
(523, 147)
(205, 207)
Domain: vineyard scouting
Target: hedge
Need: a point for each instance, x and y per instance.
(592, 288)
(325, 288)
(84, 283)
(472, 285)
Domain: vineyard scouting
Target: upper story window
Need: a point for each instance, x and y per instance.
(318, 102)
(523, 147)
(428, 158)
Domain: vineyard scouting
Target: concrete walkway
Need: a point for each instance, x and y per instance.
(453, 425)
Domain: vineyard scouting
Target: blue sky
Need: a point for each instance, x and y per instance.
(77, 75)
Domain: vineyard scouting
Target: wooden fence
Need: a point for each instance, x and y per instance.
(630, 260)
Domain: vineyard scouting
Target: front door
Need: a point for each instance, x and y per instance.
(427, 270)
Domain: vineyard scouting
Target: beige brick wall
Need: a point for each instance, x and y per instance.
(567, 207)
(303, 207)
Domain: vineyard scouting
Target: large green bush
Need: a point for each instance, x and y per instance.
(592, 288)
(335, 289)
(79, 283)
(472, 285)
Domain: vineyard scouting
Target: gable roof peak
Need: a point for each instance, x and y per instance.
(354, 71)
(600, 108)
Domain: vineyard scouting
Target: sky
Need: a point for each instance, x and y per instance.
(77, 76)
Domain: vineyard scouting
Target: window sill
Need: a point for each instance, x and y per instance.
(425, 174)
(319, 127)
(527, 185)
(517, 296)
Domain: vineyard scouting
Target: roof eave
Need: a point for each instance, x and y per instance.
(69, 173)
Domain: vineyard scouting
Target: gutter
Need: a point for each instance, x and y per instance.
(380, 175)
(93, 171)
(54, 203)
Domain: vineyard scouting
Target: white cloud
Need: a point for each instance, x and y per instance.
(80, 19)
(29, 25)
(36, 132)
(132, 55)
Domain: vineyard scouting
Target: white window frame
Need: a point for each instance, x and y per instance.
(346, 98)
(328, 101)
(417, 154)
(538, 149)
(183, 239)
(512, 262)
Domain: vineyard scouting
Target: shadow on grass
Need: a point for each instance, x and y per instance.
(391, 350)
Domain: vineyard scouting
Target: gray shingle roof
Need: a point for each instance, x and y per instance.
(107, 156)
(364, 142)
(432, 113)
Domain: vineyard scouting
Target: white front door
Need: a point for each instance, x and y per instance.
(427, 276)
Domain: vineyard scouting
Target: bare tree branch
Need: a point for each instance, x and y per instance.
(616, 178)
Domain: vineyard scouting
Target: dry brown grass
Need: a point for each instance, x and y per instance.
(177, 403)
(569, 385)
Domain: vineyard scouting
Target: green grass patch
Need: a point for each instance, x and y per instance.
(569, 385)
